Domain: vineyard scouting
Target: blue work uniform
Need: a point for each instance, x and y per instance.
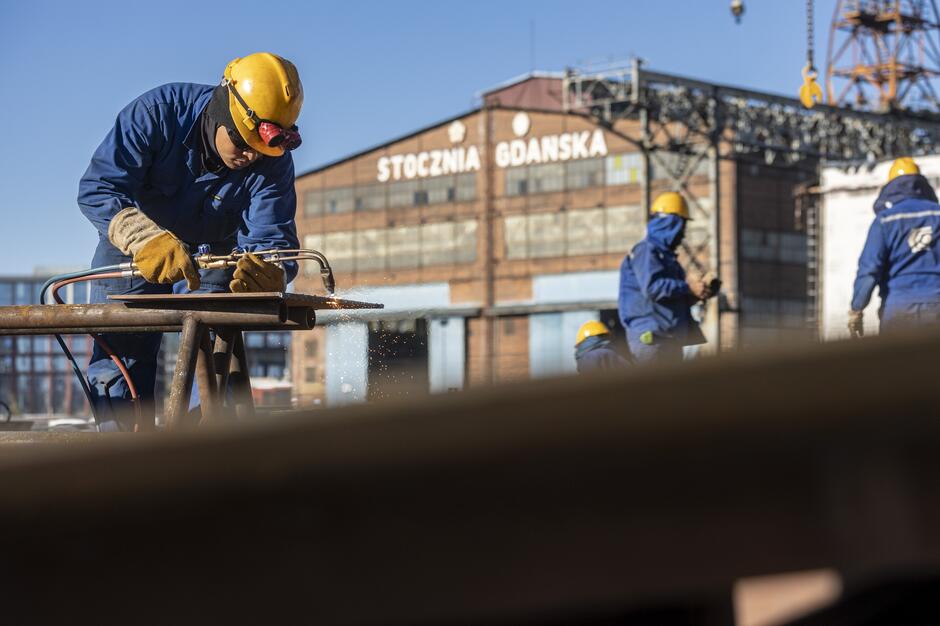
(596, 354)
(654, 296)
(152, 159)
(900, 254)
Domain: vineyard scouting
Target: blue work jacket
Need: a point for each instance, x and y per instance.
(900, 254)
(653, 293)
(596, 354)
(151, 159)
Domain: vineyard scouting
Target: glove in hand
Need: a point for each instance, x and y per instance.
(165, 259)
(253, 274)
(856, 324)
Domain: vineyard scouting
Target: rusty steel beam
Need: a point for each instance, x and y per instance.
(209, 399)
(288, 325)
(239, 379)
(52, 318)
(177, 404)
(222, 356)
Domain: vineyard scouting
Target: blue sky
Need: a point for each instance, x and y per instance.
(371, 71)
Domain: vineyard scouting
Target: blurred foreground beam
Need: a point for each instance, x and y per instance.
(545, 502)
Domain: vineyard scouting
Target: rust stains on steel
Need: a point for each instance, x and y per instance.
(166, 313)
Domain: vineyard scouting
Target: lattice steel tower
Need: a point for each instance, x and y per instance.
(884, 55)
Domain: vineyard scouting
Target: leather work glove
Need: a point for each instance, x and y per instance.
(253, 274)
(159, 256)
(856, 325)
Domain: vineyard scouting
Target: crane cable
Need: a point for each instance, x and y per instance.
(810, 93)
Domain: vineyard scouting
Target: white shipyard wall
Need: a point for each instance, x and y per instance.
(845, 217)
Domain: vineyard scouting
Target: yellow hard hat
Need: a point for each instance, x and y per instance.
(902, 167)
(591, 329)
(263, 87)
(671, 203)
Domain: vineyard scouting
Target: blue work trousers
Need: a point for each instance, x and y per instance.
(658, 351)
(110, 395)
(898, 315)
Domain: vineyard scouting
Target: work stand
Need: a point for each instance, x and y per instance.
(211, 349)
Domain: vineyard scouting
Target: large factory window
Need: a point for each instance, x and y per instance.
(516, 236)
(402, 193)
(466, 187)
(586, 232)
(586, 173)
(313, 202)
(403, 247)
(437, 243)
(551, 177)
(546, 235)
(546, 178)
(371, 249)
(437, 190)
(517, 181)
(465, 241)
(573, 233)
(623, 169)
(370, 197)
(625, 226)
(341, 251)
(339, 200)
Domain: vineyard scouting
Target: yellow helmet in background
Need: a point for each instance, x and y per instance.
(903, 167)
(591, 329)
(671, 203)
(263, 87)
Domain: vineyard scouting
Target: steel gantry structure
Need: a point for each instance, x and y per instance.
(884, 54)
(679, 123)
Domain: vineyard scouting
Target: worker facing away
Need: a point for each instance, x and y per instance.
(594, 350)
(184, 165)
(900, 255)
(655, 298)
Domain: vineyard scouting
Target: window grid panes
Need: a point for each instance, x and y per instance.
(397, 248)
(573, 233)
(437, 190)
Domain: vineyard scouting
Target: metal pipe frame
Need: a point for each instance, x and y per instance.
(196, 317)
(177, 405)
(62, 318)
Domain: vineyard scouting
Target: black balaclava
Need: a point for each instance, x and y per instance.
(217, 113)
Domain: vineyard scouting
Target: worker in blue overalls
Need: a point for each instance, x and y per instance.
(185, 165)
(655, 298)
(594, 350)
(900, 254)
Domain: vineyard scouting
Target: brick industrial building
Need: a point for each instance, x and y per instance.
(491, 236)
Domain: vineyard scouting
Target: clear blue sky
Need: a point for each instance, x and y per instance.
(371, 71)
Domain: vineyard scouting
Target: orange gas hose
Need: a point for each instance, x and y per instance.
(135, 399)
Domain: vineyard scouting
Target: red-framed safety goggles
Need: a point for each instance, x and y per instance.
(272, 134)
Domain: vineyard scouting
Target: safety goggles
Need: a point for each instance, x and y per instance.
(272, 134)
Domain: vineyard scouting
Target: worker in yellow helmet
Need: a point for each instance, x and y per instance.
(900, 255)
(594, 349)
(189, 164)
(655, 298)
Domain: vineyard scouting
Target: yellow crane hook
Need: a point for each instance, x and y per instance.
(810, 93)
